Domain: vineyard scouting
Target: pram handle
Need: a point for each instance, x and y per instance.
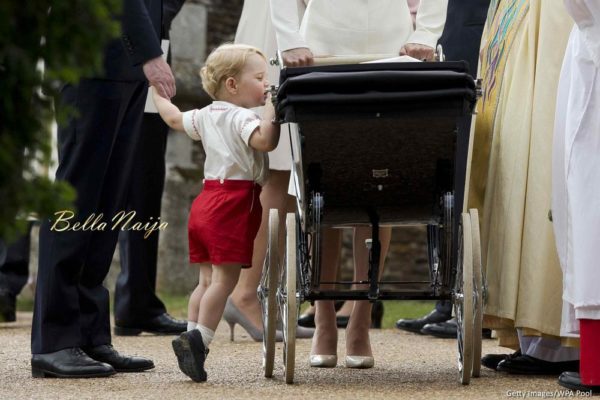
(349, 59)
(355, 59)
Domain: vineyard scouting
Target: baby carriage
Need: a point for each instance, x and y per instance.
(374, 144)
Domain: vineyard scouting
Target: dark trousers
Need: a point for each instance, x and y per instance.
(135, 298)
(96, 152)
(14, 271)
(444, 307)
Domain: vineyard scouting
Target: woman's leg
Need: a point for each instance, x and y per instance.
(273, 195)
(325, 337)
(204, 278)
(357, 332)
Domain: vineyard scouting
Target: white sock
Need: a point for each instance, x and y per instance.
(207, 334)
(191, 325)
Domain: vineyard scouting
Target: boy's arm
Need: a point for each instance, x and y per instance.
(266, 136)
(168, 111)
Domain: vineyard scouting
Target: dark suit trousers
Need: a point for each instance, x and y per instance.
(15, 269)
(135, 298)
(96, 152)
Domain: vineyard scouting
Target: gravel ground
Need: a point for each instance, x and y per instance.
(406, 366)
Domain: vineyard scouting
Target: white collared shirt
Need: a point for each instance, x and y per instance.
(225, 131)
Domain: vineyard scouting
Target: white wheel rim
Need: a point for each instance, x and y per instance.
(290, 310)
(464, 301)
(477, 292)
(268, 288)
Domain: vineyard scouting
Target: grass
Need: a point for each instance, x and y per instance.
(393, 310)
(177, 306)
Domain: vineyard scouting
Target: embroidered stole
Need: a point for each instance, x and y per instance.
(503, 22)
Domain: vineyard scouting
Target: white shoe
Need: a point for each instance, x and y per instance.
(323, 361)
(360, 362)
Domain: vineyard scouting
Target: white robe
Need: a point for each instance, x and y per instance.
(576, 168)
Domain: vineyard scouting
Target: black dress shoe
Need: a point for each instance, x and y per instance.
(342, 321)
(8, 305)
(163, 324)
(491, 361)
(572, 380)
(307, 320)
(191, 354)
(107, 354)
(68, 363)
(445, 330)
(415, 325)
(526, 365)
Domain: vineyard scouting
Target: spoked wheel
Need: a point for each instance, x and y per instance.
(287, 300)
(477, 292)
(463, 300)
(267, 293)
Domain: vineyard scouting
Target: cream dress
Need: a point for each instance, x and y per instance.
(255, 29)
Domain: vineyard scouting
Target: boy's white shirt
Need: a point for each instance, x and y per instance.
(150, 107)
(220, 126)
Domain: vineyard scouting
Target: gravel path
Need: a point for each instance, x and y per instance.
(406, 366)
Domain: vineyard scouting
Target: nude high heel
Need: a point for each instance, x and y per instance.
(233, 315)
(360, 362)
(323, 361)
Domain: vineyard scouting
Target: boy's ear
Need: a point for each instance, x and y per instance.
(231, 85)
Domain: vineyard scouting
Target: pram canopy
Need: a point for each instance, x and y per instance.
(377, 137)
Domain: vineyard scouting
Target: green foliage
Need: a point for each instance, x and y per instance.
(68, 37)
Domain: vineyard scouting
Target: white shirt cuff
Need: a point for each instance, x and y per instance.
(248, 129)
(189, 126)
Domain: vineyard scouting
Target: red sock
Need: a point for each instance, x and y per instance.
(589, 367)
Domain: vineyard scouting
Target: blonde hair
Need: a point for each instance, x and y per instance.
(227, 60)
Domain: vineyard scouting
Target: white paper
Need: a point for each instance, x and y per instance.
(393, 59)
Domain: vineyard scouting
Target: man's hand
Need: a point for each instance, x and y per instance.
(418, 51)
(159, 75)
(300, 57)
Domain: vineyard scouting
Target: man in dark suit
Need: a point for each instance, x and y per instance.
(70, 335)
(137, 307)
(460, 41)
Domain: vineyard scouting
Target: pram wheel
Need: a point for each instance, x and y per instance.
(478, 292)
(267, 293)
(463, 300)
(287, 300)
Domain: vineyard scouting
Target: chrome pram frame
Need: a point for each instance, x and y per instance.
(453, 243)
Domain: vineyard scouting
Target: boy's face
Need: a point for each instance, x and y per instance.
(253, 83)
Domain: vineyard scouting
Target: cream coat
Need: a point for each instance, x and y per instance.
(255, 28)
(342, 27)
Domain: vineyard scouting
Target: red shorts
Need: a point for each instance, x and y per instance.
(223, 222)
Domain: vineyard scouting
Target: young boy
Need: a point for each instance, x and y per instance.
(226, 215)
